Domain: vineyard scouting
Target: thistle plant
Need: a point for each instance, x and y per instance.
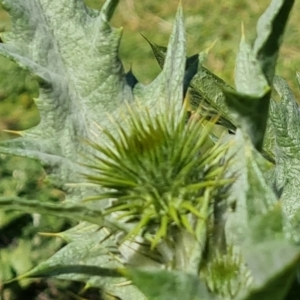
(167, 208)
(158, 172)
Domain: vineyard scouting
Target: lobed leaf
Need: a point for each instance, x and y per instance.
(270, 30)
(250, 103)
(167, 88)
(73, 52)
(250, 194)
(285, 117)
(255, 70)
(205, 93)
(90, 258)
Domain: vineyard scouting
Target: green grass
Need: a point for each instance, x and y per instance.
(205, 23)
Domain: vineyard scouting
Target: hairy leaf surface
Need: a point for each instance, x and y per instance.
(73, 52)
(285, 117)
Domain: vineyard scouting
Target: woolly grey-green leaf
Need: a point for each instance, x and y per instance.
(249, 78)
(254, 72)
(250, 103)
(73, 52)
(90, 258)
(205, 93)
(273, 266)
(270, 30)
(285, 117)
(250, 194)
(167, 88)
(265, 237)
